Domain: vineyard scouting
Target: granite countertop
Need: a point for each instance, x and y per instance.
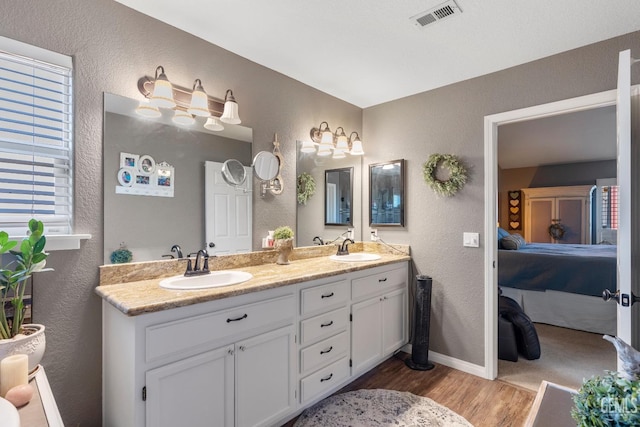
(145, 296)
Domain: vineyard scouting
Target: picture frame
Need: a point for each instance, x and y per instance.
(129, 160)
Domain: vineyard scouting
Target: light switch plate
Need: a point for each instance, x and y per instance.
(471, 240)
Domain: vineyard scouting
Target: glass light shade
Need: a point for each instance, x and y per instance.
(342, 143)
(183, 118)
(338, 154)
(147, 110)
(324, 150)
(199, 102)
(213, 124)
(162, 93)
(307, 147)
(356, 148)
(327, 137)
(230, 113)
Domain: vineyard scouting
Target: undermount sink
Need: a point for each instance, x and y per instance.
(213, 280)
(355, 257)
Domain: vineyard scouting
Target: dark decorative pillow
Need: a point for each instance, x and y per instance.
(512, 242)
(501, 234)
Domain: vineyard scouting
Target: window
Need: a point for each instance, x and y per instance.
(610, 207)
(36, 136)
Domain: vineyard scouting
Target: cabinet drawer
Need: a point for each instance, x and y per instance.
(377, 283)
(324, 297)
(191, 333)
(323, 380)
(323, 325)
(324, 352)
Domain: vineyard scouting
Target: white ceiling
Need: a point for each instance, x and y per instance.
(581, 136)
(367, 52)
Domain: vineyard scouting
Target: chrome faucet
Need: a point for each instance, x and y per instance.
(196, 270)
(343, 249)
(177, 250)
(319, 240)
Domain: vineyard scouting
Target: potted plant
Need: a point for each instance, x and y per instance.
(283, 242)
(29, 257)
(610, 400)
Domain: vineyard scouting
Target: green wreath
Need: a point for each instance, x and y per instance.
(457, 174)
(306, 187)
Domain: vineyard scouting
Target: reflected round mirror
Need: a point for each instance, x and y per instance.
(265, 166)
(233, 172)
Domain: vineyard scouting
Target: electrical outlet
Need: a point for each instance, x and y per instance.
(350, 233)
(374, 235)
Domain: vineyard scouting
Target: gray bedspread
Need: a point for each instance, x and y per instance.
(578, 269)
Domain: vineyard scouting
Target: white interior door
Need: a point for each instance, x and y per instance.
(628, 316)
(228, 218)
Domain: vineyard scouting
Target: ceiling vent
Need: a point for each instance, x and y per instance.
(438, 13)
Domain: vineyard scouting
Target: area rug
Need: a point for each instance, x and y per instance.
(378, 407)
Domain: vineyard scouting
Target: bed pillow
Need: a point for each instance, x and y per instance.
(501, 234)
(512, 242)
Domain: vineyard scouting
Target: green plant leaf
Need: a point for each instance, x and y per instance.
(39, 246)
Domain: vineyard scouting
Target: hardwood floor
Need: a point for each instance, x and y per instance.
(482, 402)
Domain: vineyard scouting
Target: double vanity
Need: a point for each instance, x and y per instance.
(253, 353)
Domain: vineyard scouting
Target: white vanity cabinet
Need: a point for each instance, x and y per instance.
(324, 336)
(256, 359)
(225, 363)
(379, 323)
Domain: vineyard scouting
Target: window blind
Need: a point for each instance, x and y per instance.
(36, 135)
(610, 207)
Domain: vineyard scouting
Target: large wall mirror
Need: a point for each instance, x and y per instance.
(149, 225)
(386, 193)
(338, 196)
(311, 221)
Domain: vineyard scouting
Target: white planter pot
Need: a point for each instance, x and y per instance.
(33, 345)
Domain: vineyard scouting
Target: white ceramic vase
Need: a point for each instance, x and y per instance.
(284, 248)
(33, 345)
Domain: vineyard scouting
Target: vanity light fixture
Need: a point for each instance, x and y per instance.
(183, 118)
(199, 102)
(145, 109)
(162, 95)
(324, 142)
(230, 113)
(187, 103)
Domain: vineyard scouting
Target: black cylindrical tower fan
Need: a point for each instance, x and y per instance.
(419, 359)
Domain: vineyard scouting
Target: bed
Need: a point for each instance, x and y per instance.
(562, 284)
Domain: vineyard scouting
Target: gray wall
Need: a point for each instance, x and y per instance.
(450, 120)
(112, 47)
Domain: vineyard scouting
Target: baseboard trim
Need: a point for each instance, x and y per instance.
(452, 362)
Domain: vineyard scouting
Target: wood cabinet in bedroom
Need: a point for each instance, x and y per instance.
(570, 206)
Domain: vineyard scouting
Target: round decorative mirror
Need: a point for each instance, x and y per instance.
(233, 172)
(265, 166)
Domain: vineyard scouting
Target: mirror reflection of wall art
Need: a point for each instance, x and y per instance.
(386, 193)
(338, 196)
(139, 175)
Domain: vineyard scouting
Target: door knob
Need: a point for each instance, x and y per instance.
(626, 300)
(212, 245)
(608, 296)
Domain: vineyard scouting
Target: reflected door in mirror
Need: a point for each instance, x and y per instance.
(386, 193)
(338, 196)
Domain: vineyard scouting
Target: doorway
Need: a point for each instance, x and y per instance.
(492, 123)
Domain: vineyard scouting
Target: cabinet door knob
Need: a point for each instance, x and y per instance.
(324, 325)
(242, 348)
(326, 378)
(230, 352)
